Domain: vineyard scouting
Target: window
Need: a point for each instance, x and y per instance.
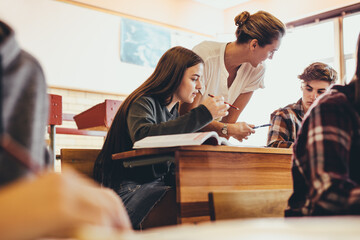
(351, 28)
(311, 39)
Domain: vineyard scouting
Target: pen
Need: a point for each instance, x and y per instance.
(264, 125)
(210, 95)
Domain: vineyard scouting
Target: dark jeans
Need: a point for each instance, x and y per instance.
(139, 199)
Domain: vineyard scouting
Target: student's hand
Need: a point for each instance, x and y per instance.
(90, 203)
(216, 107)
(241, 130)
(54, 204)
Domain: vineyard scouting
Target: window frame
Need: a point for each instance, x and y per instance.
(336, 15)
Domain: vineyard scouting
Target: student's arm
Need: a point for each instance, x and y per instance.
(147, 118)
(55, 204)
(279, 135)
(238, 130)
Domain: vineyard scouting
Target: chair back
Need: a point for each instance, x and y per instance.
(82, 160)
(248, 203)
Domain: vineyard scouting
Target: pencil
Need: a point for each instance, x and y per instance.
(210, 95)
(19, 153)
(264, 125)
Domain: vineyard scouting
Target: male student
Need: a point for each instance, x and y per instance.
(286, 122)
(326, 160)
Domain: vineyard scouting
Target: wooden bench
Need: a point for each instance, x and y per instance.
(81, 160)
(248, 203)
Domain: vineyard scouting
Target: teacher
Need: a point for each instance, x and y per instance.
(236, 69)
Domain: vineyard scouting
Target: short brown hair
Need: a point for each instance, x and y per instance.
(319, 71)
(261, 26)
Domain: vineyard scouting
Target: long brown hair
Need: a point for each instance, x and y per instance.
(262, 26)
(161, 85)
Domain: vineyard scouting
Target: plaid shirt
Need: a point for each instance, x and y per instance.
(286, 122)
(326, 159)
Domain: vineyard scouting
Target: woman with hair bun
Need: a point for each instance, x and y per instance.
(235, 69)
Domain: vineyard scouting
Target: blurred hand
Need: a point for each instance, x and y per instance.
(92, 204)
(216, 106)
(241, 130)
(55, 204)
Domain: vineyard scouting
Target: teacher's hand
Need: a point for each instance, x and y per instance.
(240, 130)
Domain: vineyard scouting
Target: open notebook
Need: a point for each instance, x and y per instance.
(184, 139)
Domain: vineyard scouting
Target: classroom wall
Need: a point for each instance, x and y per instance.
(183, 14)
(79, 47)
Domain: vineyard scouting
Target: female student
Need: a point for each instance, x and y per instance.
(326, 166)
(152, 109)
(235, 70)
(286, 122)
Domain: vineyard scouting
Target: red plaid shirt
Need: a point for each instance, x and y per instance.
(286, 122)
(326, 159)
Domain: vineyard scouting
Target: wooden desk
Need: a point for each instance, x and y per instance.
(202, 169)
(309, 228)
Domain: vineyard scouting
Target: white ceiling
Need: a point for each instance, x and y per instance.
(222, 4)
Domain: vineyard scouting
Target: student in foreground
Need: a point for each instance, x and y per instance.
(326, 166)
(236, 69)
(44, 204)
(286, 122)
(55, 205)
(152, 109)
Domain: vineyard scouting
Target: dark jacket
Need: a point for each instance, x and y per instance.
(24, 104)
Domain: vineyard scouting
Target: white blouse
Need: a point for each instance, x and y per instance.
(215, 74)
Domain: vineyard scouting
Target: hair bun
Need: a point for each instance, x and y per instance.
(241, 18)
